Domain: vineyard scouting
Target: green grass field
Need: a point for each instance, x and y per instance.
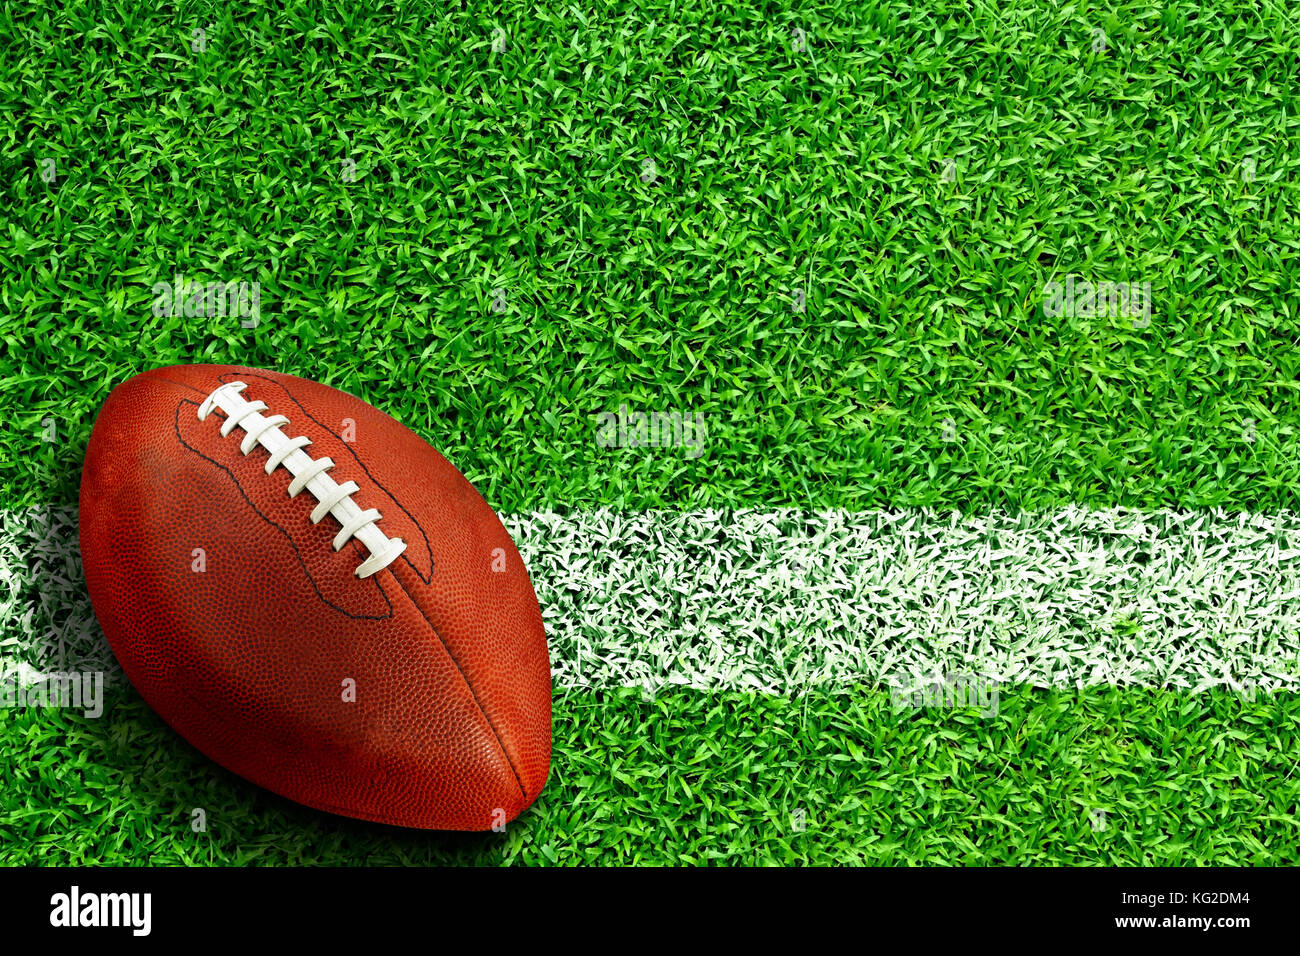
(827, 229)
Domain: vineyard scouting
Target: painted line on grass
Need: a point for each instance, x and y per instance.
(779, 601)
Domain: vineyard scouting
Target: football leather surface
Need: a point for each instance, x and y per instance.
(378, 654)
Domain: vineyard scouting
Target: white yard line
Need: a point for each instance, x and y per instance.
(780, 601)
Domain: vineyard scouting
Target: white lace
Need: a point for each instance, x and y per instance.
(308, 472)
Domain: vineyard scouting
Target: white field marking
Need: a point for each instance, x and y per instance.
(46, 622)
(780, 601)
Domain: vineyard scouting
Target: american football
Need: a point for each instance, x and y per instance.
(315, 598)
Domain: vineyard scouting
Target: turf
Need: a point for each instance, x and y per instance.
(822, 170)
(917, 173)
(1104, 777)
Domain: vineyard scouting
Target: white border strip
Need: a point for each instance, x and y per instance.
(782, 601)
(778, 601)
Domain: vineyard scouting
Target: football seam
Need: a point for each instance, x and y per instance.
(468, 686)
(406, 559)
(288, 537)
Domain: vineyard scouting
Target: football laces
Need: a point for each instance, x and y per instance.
(310, 474)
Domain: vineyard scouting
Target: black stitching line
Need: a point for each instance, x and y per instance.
(356, 617)
(357, 458)
(483, 710)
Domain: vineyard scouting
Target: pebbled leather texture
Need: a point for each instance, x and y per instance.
(248, 658)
